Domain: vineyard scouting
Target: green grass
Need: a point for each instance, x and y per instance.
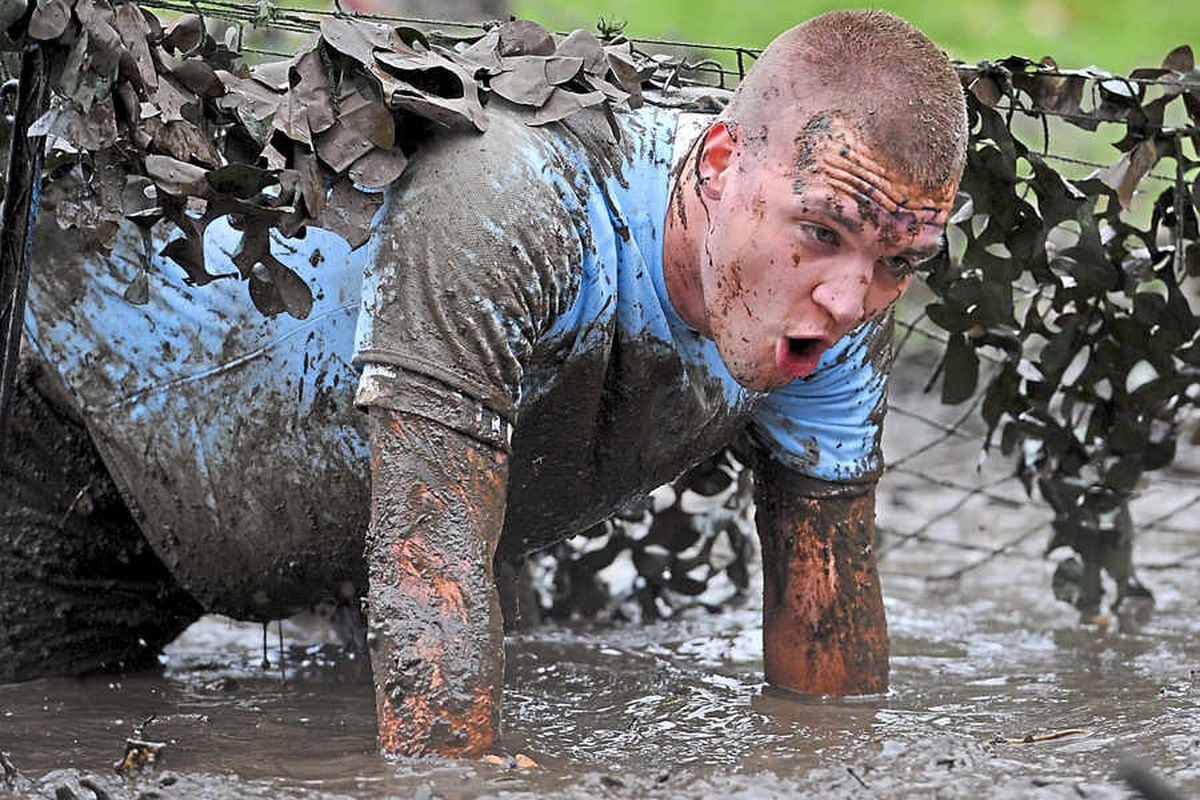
(1117, 35)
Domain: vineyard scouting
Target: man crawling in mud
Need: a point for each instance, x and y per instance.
(546, 323)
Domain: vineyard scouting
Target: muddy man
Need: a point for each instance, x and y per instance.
(546, 323)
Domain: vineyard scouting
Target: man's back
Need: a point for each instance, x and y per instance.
(233, 436)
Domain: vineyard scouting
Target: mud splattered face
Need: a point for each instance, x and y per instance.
(803, 243)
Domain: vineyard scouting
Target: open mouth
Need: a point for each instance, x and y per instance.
(798, 356)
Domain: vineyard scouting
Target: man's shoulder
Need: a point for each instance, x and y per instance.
(514, 136)
(557, 165)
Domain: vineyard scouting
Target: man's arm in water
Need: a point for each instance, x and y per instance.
(476, 256)
(824, 628)
(434, 624)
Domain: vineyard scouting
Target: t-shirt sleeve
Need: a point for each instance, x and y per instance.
(828, 425)
(477, 255)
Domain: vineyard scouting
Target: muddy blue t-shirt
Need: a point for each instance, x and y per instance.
(518, 296)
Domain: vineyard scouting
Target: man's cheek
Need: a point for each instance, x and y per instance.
(881, 297)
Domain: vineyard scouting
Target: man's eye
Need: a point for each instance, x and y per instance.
(822, 234)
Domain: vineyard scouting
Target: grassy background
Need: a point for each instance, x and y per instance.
(1116, 35)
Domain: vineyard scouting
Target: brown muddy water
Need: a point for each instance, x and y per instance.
(679, 708)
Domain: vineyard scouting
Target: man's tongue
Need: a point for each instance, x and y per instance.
(797, 357)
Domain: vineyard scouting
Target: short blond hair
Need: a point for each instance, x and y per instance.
(879, 73)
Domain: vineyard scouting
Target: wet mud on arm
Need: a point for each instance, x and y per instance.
(824, 628)
(435, 628)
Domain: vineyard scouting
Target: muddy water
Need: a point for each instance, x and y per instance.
(679, 707)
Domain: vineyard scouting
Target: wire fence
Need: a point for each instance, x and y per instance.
(719, 64)
(942, 493)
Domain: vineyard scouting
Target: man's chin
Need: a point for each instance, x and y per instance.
(758, 375)
(761, 381)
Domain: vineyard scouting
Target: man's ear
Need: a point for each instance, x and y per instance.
(718, 154)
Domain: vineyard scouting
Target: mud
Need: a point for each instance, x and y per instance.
(818, 127)
(680, 707)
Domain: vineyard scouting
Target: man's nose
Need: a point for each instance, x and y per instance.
(843, 292)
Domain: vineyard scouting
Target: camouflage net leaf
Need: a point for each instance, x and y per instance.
(312, 140)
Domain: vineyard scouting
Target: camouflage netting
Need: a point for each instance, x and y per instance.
(177, 128)
(688, 545)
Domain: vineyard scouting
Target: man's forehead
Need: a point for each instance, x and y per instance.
(855, 209)
(832, 152)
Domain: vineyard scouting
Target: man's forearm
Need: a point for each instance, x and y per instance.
(434, 626)
(824, 628)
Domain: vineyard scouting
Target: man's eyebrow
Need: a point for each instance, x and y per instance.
(832, 211)
(835, 213)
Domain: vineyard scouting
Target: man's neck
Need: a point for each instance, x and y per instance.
(683, 237)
